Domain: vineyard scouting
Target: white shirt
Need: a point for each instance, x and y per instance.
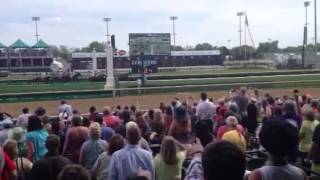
(205, 110)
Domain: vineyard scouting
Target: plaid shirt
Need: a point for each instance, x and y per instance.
(195, 170)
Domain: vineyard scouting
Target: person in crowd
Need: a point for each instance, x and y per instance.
(106, 132)
(65, 108)
(203, 132)
(100, 169)
(109, 119)
(168, 163)
(278, 138)
(314, 153)
(168, 117)
(219, 160)
(8, 167)
(93, 113)
(225, 128)
(125, 116)
(74, 172)
(127, 161)
(23, 165)
(277, 114)
(52, 164)
(5, 130)
(291, 115)
(40, 112)
(75, 137)
(22, 119)
(233, 135)
(143, 125)
(93, 147)
(242, 101)
(150, 116)
(18, 134)
(251, 122)
(36, 138)
(206, 110)
(307, 129)
(162, 107)
(158, 132)
(181, 126)
(315, 106)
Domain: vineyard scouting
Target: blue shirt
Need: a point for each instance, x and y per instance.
(38, 139)
(127, 161)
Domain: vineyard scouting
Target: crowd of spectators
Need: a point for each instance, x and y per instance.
(203, 139)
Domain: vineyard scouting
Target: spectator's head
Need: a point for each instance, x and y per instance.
(74, 172)
(271, 100)
(62, 102)
(203, 133)
(232, 122)
(203, 96)
(92, 110)
(181, 114)
(151, 114)
(278, 137)
(133, 133)
(40, 111)
(289, 108)
(315, 104)
(169, 150)
(168, 111)
(25, 110)
(95, 130)
(34, 123)
(55, 125)
(158, 116)
(86, 122)
(277, 111)
(11, 148)
(115, 143)
(233, 108)
(106, 110)
(309, 115)
(118, 108)
(126, 115)
(223, 160)
(133, 108)
(53, 143)
(76, 121)
(99, 119)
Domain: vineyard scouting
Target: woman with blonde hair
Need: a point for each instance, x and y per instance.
(233, 135)
(168, 163)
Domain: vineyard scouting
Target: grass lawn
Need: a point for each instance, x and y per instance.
(21, 88)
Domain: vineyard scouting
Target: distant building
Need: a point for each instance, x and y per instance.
(20, 57)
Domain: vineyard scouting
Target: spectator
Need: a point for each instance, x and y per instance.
(314, 154)
(19, 135)
(181, 127)
(168, 117)
(290, 114)
(203, 133)
(278, 138)
(233, 135)
(74, 172)
(93, 147)
(109, 119)
(106, 132)
(242, 101)
(220, 160)
(168, 163)
(36, 138)
(308, 126)
(52, 164)
(93, 114)
(9, 169)
(6, 129)
(126, 162)
(75, 137)
(100, 169)
(206, 110)
(65, 108)
(143, 125)
(22, 119)
(251, 122)
(223, 129)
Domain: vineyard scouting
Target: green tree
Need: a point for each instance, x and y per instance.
(177, 48)
(238, 53)
(268, 47)
(204, 46)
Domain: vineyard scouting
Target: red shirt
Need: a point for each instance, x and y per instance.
(224, 129)
(111, 121)
(8, 167)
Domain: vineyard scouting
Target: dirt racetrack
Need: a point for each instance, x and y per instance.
(146, 101)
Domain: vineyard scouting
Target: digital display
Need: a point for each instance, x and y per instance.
(150, 43)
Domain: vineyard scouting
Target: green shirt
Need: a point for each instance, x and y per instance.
(306, 133)
(169, 172)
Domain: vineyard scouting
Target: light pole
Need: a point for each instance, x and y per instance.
(110, 77)
(240, 14)
(315, 27)
(36, 19)
(173, 19)
(229, 41)
(107, 20)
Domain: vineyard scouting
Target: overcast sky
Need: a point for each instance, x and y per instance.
(75, 23)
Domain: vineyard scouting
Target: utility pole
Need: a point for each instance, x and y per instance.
(36, 19)
(173, 19)
(240, 14)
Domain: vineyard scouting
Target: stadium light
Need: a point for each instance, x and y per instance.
(240, 14)
(173, 19)
(306, 5)
(107, 20)
(36, 19)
